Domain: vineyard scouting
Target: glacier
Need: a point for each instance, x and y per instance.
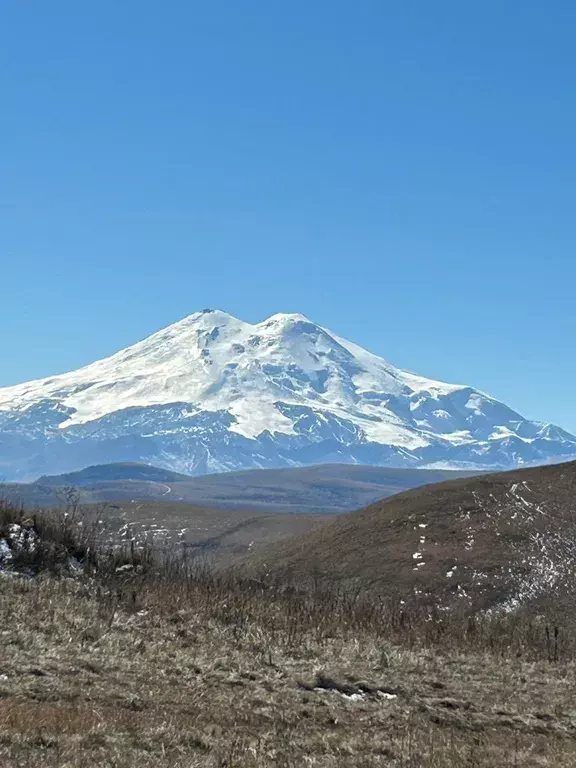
(213, 393)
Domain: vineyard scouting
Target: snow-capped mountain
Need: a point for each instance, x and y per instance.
(212, 393)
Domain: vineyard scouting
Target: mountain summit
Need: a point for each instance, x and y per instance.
(212, 393)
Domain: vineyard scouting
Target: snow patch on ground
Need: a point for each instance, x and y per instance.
(20, 538)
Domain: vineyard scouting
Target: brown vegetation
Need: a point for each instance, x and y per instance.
(159, 662)
(495, 539)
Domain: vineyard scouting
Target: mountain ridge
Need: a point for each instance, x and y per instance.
(323, 489)
(213, 393)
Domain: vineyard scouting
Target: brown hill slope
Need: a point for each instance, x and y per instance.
(220, 535)
(502, 538)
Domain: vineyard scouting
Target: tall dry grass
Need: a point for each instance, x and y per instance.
(154, 658)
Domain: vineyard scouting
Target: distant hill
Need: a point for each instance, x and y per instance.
(317, 489)
(120, 471)
(500, 538)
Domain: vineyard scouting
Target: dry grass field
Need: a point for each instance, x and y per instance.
(136, 661)
(207, 674)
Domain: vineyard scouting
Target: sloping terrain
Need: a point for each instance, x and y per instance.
(134, 660)
(217, 535)
(319, 488)
(499, 539)
(167, 670)
(212, 393)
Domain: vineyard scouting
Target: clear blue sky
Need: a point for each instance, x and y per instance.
(401, 172)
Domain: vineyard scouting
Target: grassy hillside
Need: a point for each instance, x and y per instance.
(131, 661)
(487, 540)
(219, 534)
